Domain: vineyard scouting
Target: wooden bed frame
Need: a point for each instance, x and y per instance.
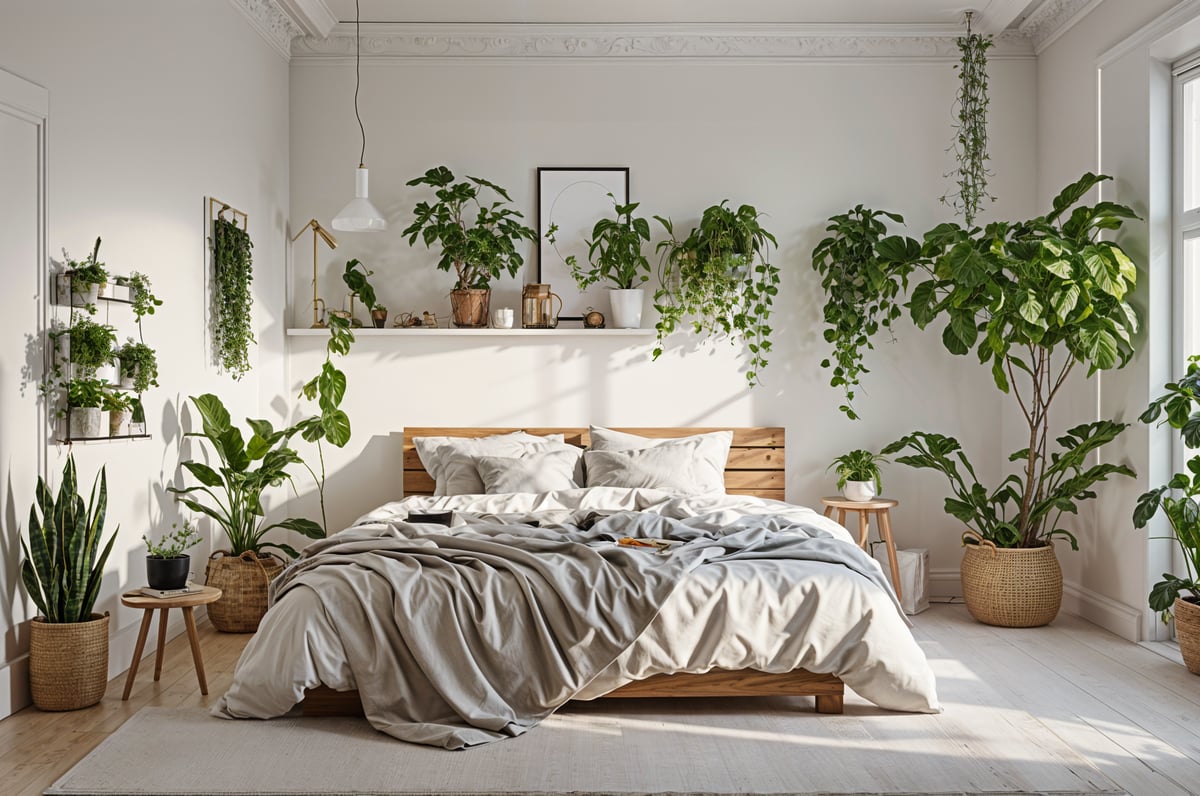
(755, 467)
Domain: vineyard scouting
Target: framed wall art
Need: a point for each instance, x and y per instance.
(574, 199)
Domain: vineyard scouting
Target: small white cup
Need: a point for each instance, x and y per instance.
(502, 318)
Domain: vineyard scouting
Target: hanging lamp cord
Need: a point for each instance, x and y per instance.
(362, 156)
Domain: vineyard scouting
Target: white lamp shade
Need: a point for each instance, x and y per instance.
(359, 214)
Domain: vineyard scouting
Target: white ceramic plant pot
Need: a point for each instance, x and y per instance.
(127, 381)
(137, 429)
(86, 422)
(627, 307)
(859, 491)
(90, 296)
(118, 422)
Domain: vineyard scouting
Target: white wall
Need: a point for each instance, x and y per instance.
(799, 140)
(153, 107)
(1114, 119)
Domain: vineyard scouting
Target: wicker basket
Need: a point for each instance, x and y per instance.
(1187, 630)
(243, 581)
(68, 663)
(469, 307)
(1013, 586)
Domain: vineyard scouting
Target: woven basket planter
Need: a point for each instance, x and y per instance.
(1012, 587)
(469, 307)
(243, 581)
(68, 663)
(1187, 629)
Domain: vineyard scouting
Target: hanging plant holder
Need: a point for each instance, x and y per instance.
(232, 299)
(971, 138)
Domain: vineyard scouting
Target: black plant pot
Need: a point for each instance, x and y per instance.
(168, 573)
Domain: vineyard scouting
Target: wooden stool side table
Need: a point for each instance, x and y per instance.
(881, 508)
(163, 605)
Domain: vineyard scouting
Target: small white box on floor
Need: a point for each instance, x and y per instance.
(914, 576)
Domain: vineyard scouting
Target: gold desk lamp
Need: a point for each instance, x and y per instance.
(319, 233)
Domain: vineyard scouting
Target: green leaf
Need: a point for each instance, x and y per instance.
(337, 427)
(1099, 347)
(203, 473)
(302, 526)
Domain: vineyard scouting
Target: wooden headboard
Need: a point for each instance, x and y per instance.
(755, 466)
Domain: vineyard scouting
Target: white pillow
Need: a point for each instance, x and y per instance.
(712, 453)
(539, 471)
(450, 459)
(671, 468)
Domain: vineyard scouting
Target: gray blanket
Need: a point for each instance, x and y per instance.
(465, 637)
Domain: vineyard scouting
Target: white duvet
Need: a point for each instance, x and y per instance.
(773, 615)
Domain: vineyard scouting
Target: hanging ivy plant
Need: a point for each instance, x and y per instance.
(971, 139)
(232, 276)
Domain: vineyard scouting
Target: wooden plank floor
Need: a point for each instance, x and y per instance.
(1088, 700)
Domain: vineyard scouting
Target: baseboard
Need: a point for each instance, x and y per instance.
(1117, 618)
(14, 686)
(945, 583)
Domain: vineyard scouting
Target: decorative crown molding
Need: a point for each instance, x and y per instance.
(1052, 19)
(508, 40)
(275, 26)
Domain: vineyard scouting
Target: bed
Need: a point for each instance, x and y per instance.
(753, 480)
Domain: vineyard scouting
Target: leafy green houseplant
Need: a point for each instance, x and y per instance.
(720, 278)
(970, 128)
(87, 278)
(1179, 407)
(93, 345)
(167, 562)
(141, 296)
(233, 276)
(356, 279)
(85, 397)
(120, 408)
(1033, 300)
(615, 257)
(858, 474)
(478, 239)
(62, 569)
(138, 366)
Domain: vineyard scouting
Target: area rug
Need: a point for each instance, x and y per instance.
(774, 746)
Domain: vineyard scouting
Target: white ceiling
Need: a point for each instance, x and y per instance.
(991, 16)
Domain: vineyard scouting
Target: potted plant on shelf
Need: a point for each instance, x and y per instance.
(141, 297)
(138, 366)
(84, 416)
(62, 569)
(720, 278)
(356, 278)
(167, 565)
(1179, 408)
(858, 475)
(231, 495)
(615, 256)
(1034, 300)
(87, 278)
(88, 346)
(477, 249)
(137, 418)
(120, 410)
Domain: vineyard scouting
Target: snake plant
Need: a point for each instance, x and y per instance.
(63, 563)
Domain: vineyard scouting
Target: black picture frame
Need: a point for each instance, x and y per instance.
(588, 185)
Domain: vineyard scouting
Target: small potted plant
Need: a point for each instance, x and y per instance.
(88, 346)
(355, 278)
(1177, 500)
(140, 296)
(88, 278)
(379, 315)
(137, 419)
(84, 417)
(858, 475)
(138, 366)
(720, 278)
(167, 565)
(120, 410)
(615, 256)
(478, 249)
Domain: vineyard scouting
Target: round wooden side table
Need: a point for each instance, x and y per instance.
(135, 599)
(880, 507)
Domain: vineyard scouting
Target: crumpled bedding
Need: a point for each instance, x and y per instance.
(466, 635)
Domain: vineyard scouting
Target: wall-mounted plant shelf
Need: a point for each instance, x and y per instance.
(93, 440)
(419, 332)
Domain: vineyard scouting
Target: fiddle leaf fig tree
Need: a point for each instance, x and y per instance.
(1033, 300)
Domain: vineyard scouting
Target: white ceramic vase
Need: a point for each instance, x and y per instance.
(86, 422)
(859, 491)
(118, 422)
(627, 308)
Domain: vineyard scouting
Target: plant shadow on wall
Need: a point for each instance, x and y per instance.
(1032, 299)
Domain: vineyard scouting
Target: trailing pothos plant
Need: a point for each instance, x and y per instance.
(970, 128)
(614, 252)
(1178, 407)
(1033, 300)
(233, 275)
(478, 239)
(720, 278)
(231, 492)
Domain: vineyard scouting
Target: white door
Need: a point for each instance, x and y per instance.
(23, 108)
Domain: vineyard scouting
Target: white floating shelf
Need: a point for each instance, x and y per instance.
(372, 332)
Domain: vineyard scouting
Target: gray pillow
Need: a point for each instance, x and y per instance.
(675, 467)
(538, 471)
(450, 460)
(711, 453)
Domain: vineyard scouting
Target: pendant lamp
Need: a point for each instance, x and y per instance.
(359, 215)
